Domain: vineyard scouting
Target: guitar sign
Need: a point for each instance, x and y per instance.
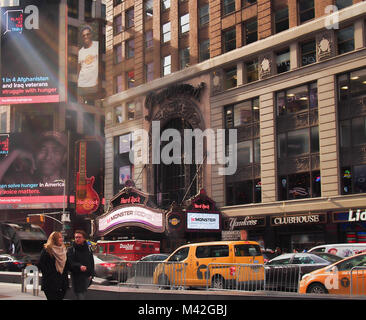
(87, 199)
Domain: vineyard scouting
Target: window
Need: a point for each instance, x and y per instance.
(130, 79)
(300, 186)
(308, 52)
(149, 71)
(88, 9)
(184, 58)
(345, 40)
(167, 64)
(204, 48)
(73, 8)
(130, 110)
(340, 4)
(130, 18)
(247, 250)
(252, 71)
(89, 123)
(117, 50)
(250, 33)
(166, 32)
(281, 20)
(180, 255)
(117, 2)
(118, 84)
(204, 15)
(245, 187)
(123, 169)
(72, 35)
(245, 3)
(306, 10)
(130, 48)
(229, 38)
(230, 78)
(165, 4)
(3, 126)
(228, 6)
(297, 99)
(184, 24)
(72, 63)
(149, 39)
(283, 61)
(149, 8)
(212, 251)
(119, 114)
(352, 127)
(117, 24)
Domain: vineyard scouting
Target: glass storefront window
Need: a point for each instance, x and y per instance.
(245, 153)
(297, 142)
(360, 178)
(358, 131)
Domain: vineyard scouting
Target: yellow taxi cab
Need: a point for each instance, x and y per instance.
(347, 276)
(220, 264)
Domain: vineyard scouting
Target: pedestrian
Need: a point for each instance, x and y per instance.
(81, 262)
(53, 265)
(278, 251)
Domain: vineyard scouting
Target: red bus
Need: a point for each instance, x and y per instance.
(129, 250)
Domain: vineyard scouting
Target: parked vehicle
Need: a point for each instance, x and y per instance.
(129, 250)
(145, 267)
(284, 272)
(110, 267)
(22, 240)
(347, 276)
(215, 264)
(10, 263)
(341, 249)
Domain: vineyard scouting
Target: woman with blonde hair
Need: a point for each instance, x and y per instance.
(53, 265)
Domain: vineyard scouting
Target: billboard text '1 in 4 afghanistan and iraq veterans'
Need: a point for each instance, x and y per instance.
(29, 65)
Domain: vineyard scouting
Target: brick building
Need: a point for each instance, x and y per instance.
(286, 75)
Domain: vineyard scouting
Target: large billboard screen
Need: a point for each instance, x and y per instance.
(29, 68)
(33, 170)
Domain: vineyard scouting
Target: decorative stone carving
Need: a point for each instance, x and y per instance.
(325, 45)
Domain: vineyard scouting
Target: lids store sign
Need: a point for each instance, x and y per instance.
(298, 219)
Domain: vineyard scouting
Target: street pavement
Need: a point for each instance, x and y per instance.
(13, 291)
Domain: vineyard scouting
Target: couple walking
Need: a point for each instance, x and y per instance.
(55, 263)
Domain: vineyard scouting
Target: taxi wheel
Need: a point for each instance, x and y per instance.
(218, 282)
(163, 281)
(317, 288)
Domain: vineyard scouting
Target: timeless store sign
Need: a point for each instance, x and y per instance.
(298, 219)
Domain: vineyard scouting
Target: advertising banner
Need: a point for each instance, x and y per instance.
(89, 176)
(33, 170)
(203, 221)
(29, 53)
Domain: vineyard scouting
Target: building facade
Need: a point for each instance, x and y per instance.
(288, 76)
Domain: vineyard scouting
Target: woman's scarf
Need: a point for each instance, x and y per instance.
(59, 252)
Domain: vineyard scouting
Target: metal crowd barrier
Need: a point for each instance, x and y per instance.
(170, 275)
(358, 281)
(284, 278)
(234, 276)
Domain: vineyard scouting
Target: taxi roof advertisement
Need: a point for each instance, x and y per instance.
(30, 52)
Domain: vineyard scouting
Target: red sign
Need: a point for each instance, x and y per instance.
(131, 199)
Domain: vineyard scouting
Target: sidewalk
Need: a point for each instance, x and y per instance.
(13, 291)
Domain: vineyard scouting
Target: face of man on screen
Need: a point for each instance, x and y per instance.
(86, 37)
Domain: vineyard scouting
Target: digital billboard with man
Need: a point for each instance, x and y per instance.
(29, 53)
(88, 61)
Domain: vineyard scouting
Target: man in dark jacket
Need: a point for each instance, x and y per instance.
(81, 264)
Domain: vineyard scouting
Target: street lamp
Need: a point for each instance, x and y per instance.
(65, 217)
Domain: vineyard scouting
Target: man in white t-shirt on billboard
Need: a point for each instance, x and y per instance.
(88, 64)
